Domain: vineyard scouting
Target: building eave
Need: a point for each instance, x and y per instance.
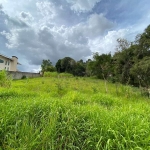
(6, 57)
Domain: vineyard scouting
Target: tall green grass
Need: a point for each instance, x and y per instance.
(5, 80)
(73, 114)
(55, 74)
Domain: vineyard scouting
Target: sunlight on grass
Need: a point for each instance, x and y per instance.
(72, 113)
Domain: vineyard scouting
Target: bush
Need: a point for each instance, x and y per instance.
(5, 79)
(55, 74)
(23, 77)
(50, 74)
(62, 75)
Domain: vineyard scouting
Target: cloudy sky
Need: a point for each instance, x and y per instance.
(34, 30)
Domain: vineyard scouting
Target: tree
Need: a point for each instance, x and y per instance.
(79, 69)
(47, 66)
(58, 66)
(123, 44)
(66, 64)
(88, 65)
(130, 58)
(123, 60)
(141, 72)
(143, 43)
(100, 66)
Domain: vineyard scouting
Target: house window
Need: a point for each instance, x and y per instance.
(1, 61)
(7, 68)
(6, 63)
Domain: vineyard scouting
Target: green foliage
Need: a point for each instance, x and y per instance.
(131, 61)
(47, 66)
(141, 71)
(5, 79)
(65, 113)
(65, 75)
(123, 61)
(79, 69)
(50, 74)
(144, 44)
(66, 64)
(23, 77)
(69, 65)
(58, 66)
(123, 66)
(58, 75)
(100, 66)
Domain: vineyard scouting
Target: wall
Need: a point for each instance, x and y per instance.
(14, 63)
(19, 75)
(4, 65)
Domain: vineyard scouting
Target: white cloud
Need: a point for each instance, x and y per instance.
(12, 38)
(51, 29)
(82, 5)
(3, 1)
(42, 41)
(1, 7)
(95, 26)
(107, 43)
(46, 9)
(98, 24)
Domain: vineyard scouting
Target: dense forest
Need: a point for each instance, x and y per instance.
(130, 64)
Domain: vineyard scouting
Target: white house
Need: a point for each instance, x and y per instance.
(9, 64)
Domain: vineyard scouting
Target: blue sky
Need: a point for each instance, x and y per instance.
(34, 30)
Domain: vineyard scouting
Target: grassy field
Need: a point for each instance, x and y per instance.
(66, 113)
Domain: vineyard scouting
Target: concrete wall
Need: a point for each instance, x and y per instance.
(4, 65)
(14, 64)
(19, 75)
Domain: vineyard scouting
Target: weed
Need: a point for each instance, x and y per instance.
(33, 117)
(23, 77)
(94, 89)
(5, 79)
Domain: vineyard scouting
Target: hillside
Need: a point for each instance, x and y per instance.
(64, 112)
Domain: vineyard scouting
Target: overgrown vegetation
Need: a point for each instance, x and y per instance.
(5, 80)
(72, 113)
(130, 64)
(62, 112)
(58, 75)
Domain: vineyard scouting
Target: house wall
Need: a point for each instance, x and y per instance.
(14, 64)
(19, 75)
(4, 65)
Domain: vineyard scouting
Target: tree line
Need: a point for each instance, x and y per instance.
(130, 64)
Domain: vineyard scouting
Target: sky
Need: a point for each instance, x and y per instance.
(34, 30)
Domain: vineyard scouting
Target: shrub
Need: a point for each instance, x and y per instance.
(5, 79)
(23, 77)
(65, 75)
(55, 74)
(50, 74)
